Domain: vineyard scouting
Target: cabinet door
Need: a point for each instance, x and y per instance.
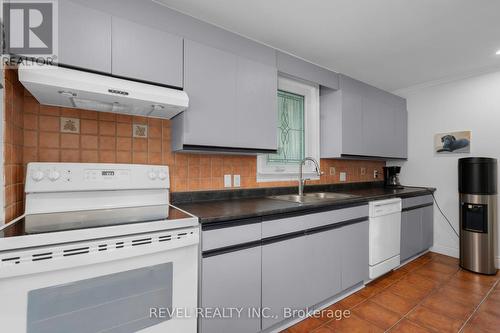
(401, 129)
(256, 108)
(352, 123)
(378, 127)
(427, 227)
(354, 249)
(411, 233)
(147, 54)
(284, 277)
(84, 37)
(323, 266)
(232, 280)
(210, 82)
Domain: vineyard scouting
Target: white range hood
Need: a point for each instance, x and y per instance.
(70, 88)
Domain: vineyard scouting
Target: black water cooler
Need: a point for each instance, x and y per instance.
(477, 184)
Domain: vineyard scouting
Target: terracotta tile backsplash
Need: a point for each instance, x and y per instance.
(33, 134)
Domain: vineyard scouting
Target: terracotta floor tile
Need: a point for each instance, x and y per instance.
(459, 295)
(468, 286)
(305, 326)
(420, 281)
(433, 274)
(376, 314)
(486, 321)
(450, 261)
(440, 267)
(370, 290)
(492, 306)
(353, 324)
(411, 266)
(395, 303)
(323, 329)
(407, 326)
(447, 306)
(435, 321)
(384, 281)
(469, 328)
(406, 289)
(479, 278)
(352, 300)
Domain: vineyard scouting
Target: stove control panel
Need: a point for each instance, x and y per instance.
(57, 177)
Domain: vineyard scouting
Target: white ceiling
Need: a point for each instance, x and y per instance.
(392, 44)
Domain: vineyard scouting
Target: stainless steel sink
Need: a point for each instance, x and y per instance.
(313, 197)
(329, 195)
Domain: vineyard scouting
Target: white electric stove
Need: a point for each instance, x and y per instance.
(99, 249)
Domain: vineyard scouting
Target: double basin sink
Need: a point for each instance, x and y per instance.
(313, 197)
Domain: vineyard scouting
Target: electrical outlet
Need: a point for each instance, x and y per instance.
(332, 171)
(227, 180)
(236, 180)
(343, 176)
(375, 174)
(362, 171)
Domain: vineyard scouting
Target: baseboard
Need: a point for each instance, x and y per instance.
(446, 250)
(497, 262)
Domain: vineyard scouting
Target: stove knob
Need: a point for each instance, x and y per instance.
(152, 175)
(162, 175)
(54, 175)
(37, 175)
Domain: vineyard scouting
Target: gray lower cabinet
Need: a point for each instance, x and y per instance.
(147, 54)
(353, 240)
(304, 271)
(232, 280)
(323, 266)
(417, 230)
(411, 233)
(427, 227)
(284, 278)
(84, 37)
(229, 97)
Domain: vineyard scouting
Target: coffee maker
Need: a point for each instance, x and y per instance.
(391, 177)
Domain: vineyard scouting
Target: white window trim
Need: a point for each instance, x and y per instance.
(269, 173)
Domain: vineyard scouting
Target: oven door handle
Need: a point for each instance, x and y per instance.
(60, 260)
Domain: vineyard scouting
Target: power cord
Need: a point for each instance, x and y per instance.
(445, 217)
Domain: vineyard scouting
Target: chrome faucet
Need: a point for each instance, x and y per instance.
(302, 181)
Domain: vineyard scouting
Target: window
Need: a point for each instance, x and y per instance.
(298, 132)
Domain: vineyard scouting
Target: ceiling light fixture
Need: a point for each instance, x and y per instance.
(498, 52)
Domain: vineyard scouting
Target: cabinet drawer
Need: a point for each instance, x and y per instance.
(308, 221)
(229, 236)
(417, 201)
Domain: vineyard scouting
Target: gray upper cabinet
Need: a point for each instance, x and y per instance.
(84, 37)
(147, 54)
(290, 65)
(229, 98)
(372, 122)
(256, 105)
(232, 280)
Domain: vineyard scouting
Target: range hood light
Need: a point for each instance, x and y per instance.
(67, 93)
(157, 107)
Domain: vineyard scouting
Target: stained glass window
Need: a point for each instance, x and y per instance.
(291, 130)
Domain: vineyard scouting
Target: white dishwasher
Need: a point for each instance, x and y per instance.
(385, 236)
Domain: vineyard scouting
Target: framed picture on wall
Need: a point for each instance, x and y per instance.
(452, 142)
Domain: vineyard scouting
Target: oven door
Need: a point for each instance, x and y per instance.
(141, 283)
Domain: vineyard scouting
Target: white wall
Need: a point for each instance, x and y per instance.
(468, 104)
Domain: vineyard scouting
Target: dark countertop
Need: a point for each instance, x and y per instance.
(235, 209)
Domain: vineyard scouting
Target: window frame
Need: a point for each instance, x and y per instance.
(269, 173)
